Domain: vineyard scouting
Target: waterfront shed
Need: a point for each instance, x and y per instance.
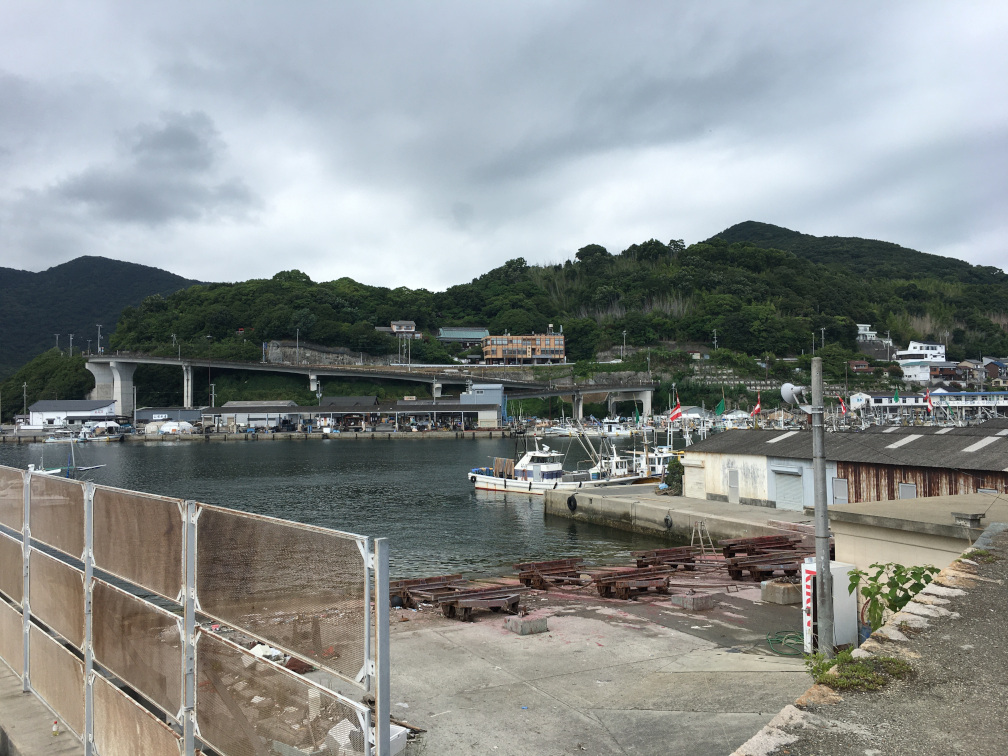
(774, 468)
(49, 414)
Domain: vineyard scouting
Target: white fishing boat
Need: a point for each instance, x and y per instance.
(540, 469)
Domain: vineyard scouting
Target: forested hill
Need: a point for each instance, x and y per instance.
(875, 258)
(71, 298)
(758, 297)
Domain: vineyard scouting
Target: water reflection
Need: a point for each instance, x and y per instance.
(413, 492)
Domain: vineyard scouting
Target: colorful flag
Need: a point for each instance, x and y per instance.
(676, 412)
(756, 409)
(720, 408)
(930, 404)
(843, 407)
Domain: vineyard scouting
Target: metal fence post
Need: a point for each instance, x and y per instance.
(25, 606)
(88, 559)
(369, 572)
(383, 698)
(189, 641)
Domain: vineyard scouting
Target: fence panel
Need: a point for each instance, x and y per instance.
(298, 588)
(12, 498)
(58, 677)
(11, 568)
(57, 596)
(57, 513)
(138, 537)
(248, 707)
(124, 728)
(140, 643)
(11, 635)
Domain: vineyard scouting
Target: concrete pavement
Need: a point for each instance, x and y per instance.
(610, 677)
(26, 724)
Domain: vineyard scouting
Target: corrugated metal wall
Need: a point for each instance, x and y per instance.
(871, 482)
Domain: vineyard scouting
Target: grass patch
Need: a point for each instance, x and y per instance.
(847, 673)
(983, 556)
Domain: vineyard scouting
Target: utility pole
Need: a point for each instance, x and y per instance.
(715, 339)
(57, 342)
(24, 398)
(622, 353)
(297, 346)
(71, 345)
(823, 344)
(99, 338)
(824, 575)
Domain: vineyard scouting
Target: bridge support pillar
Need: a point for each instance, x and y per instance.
(646, 402)
(104, 380)
(187, 387)
(578, 400)
(122, 388)
(436, 389)
(313, 382)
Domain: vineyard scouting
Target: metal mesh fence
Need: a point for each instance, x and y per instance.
(298, 588)
(57, 513)
(138, 538)
(11, 498)
(11, 568)
(11, 633)
(140, 643)
(57, 596)
(248, 707)
(123, 728)
(58, 677)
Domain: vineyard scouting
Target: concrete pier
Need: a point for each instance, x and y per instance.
(641, 509)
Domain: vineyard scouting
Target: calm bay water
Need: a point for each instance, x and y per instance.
(413, 492)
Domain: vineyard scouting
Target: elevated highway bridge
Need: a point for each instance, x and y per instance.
(114, 378)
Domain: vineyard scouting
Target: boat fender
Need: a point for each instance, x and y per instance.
(668, 521)
(530, 485)
(472, 478)
(555, 485)
(572, 502)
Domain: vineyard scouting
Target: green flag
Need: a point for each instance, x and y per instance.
(895, 396)
(720, 408)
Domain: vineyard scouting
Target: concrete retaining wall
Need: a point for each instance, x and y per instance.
(623, 511)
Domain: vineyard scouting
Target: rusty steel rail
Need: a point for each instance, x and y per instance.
(541, 575)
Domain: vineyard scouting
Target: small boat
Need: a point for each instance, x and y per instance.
(540, 469)
(71, 470)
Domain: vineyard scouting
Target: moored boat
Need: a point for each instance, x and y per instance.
(540, 469)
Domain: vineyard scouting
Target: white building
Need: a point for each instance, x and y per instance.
(49, 414)
(921, 350)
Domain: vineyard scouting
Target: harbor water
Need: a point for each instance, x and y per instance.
(413, 492)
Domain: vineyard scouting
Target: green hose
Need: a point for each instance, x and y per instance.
(786, 643)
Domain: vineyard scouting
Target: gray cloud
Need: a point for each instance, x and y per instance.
(165, 174)
(445, 138)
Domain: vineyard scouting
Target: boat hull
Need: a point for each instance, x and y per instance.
(538, 488)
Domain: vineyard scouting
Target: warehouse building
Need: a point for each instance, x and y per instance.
(774, 468)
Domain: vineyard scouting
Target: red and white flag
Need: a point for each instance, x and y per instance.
(676, 412)
(756, 409)
(930, 404)
(843, 407)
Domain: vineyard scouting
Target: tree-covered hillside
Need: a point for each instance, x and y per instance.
(758, 298)
(70, 298)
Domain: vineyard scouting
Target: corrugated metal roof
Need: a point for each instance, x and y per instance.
(69, 405)
(978, 447)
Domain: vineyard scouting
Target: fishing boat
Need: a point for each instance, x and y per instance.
(541, 469)
(71, 470)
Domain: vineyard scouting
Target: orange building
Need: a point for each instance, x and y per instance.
(537, 349)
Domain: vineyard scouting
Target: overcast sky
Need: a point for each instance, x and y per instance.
(422, 144)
